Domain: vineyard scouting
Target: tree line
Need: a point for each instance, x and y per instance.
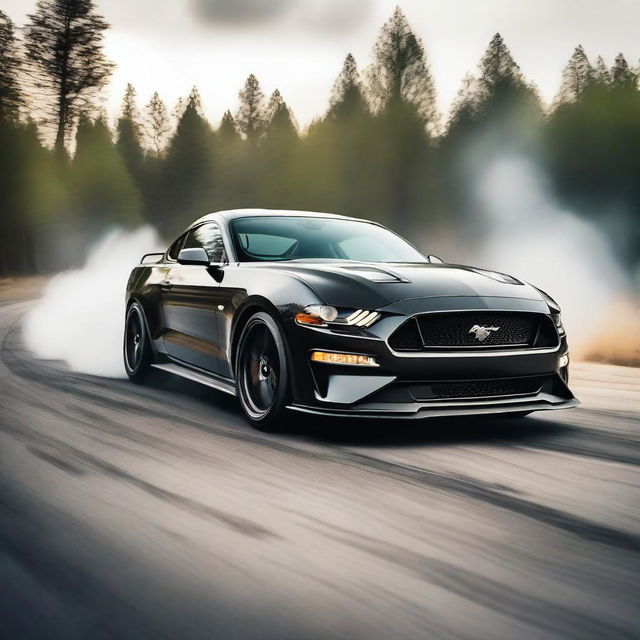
(381, 150)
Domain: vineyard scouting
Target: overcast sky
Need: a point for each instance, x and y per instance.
(298, 46)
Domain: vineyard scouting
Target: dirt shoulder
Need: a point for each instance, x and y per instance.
(21, 288)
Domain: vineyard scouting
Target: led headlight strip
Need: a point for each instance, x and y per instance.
(362, 318)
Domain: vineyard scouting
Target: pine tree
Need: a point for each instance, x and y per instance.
(178, 109)
(102, 188)
(504, 100)
(346, 96)
(228, 130)
(497, 111)
(251, 117)
(399, 72)
(592, 142)
(577, 76)
(129, 134)
(156, 122)
(64, 44)
(11, 100)
(465, 104)
(279, 119)
(229, 162)
(277, 151)
(498, 69)
(601, 75)
(17, 184)
(186, 188)
(622, 75)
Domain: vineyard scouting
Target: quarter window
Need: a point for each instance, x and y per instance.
(209, 237)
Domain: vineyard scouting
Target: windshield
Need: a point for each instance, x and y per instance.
(300, 238)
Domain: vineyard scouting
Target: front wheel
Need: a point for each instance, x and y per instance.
(136, 347)
(262, 373)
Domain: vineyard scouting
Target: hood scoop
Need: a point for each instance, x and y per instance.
(374, 274)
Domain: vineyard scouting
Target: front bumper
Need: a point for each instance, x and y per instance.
(389, 390)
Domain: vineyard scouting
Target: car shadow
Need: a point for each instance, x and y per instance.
(354, 432)
(429, 432)
(368, 432)
(363, 432)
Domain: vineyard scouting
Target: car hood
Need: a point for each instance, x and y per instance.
(367, 285)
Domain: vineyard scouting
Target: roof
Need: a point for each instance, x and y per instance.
(232, 214)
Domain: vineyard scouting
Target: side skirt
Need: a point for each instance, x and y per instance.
(196, 376)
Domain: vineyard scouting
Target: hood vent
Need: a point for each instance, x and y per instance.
(375, 274)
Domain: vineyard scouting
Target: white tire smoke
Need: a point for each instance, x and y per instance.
(532, 237)
(80, 317)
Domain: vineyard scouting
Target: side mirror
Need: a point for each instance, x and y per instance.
(435, 260)
(196, 255)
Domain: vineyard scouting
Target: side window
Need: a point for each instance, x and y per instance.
(174, 249)
(209, 237)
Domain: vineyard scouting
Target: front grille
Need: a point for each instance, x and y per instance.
(473, 330)
(477, 388)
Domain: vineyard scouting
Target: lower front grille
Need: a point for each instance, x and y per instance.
(474, 330)
(489, 389)
(477, 388)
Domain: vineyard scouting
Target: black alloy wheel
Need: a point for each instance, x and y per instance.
(262, 373)
(136, 348)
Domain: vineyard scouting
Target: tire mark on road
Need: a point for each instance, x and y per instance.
(456, 484)
(64, 465)
(483, 590)
(238, 523)
(471, 488)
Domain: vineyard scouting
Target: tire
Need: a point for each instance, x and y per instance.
(262, 374)
(136, 348)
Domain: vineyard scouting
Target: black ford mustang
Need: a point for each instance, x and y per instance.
(325, 314)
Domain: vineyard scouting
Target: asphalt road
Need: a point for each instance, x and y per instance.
(155, 512)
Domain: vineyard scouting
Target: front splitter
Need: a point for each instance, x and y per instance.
(419, 411)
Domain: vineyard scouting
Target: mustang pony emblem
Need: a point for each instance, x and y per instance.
(482, 333)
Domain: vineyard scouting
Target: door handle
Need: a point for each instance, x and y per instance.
(166, 285)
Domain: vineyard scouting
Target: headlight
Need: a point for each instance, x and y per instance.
(317, 315)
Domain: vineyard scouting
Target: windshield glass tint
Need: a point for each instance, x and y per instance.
(297, 238)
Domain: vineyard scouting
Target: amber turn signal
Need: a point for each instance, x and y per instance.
(356, 359)
(309, 318)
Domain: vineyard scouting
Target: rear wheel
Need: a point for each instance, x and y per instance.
(262, 373)
(136, 348)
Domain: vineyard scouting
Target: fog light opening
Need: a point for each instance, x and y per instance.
(563, 361)
(352, 359)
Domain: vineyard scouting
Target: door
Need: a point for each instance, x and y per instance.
(229, 295)
(189, 302)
